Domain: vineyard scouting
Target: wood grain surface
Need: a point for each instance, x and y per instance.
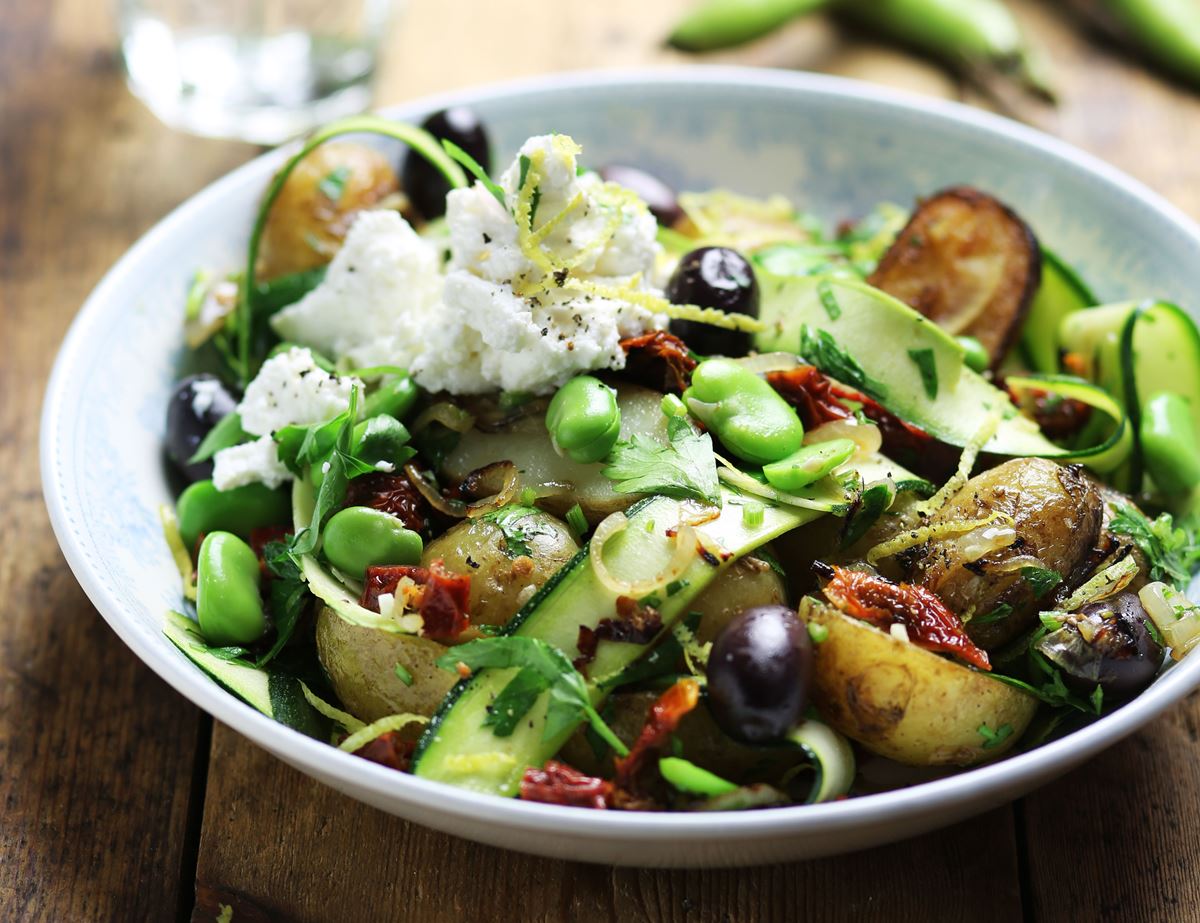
(118, 805)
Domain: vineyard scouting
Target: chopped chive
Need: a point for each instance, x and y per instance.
(818, 633)
(752, 515)
(403, 674)
(333, 184)
(829, 300)
(576, 521)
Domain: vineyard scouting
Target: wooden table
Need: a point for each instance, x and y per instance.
(123, 802)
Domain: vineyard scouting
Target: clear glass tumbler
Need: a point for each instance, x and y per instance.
(259, 70)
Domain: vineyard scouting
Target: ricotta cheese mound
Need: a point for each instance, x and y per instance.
(378, 299)
(527, 308)
(290, 388)
(249, 463)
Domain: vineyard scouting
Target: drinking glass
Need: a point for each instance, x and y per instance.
(259, 70)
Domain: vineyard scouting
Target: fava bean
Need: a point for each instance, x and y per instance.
(202, 508)
(1170, 443)
(744, 412)
(583, 419)
(228, 603)
(358, 536)
(809, 464)
(975, 357)
(395, 397)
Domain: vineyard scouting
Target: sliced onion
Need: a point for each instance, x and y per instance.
(1175, 616)
(432, 495)
(1108, 582)
(449, 415)
(762, 363)
(866, 436)
(1019, 562)
(981, 542)
(687, 549)
(504, 475)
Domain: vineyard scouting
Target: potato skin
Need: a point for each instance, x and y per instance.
(1057, 511)
(906, 703)
(501, 582)
(305, 227)
(749, 581)
(361, 663)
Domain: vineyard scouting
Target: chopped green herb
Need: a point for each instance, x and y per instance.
(517, 527)
(333, 184)
(228, 432)
(342, 467)
(676, 586)
(511, 400)
(528, 496)
(752, 515)
(672, 406)
(471, 165)
(828, 299)
(927, 365)
(1172, 551)
(1041, 579)
(999, 614)
(1097, 698)
(403, 674)
(652, 601)
(197, 290)
(288, 596)
(993, 739)
(577, 522)
(822, 350)
(685, 468)
(818, 633)
(773, 562)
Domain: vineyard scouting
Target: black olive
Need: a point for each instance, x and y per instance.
(649, 188)
(1107, 643)
(714, 277)
(759, 671)
(197, 404)
(425, 187)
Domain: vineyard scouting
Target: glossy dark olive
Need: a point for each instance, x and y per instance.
(714, 277)
(197, 404)
(759, 672)
(425, 187)
(1115, 650)
(649, 188)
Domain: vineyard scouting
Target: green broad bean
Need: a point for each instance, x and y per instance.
(1170, 443)
(688, 777)
(717, 24)
(394, 398)
(583, 419)
(809, 464)
(202, 508)
(975, 357)
(228, 602)
(744, 412)
(358, 536)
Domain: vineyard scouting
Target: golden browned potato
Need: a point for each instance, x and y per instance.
(906, 703)
(703, 743)
(969, 264)
(361, 663)
(1057, 512)
(749, 581)
(318, 203)
(525, 442)
(508, 556)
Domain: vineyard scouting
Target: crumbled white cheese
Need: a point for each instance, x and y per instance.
(290, 388)
(249, 463)
(377, 300)
(204, 392)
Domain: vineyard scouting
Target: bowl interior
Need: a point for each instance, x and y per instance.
(834, 147)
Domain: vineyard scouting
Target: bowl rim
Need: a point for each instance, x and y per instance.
(994, 780)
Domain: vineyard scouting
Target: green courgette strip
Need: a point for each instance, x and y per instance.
(831, 757)
(1118, 445)
(416, 138)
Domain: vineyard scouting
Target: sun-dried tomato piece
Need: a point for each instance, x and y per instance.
(659, 360)
(634, 624)
(661, 722)
(929, 623)
(1059, 417)
(809, 391)
(441, 599)
(391, 493)
(389, 749)
(909, 445)
(558, 783)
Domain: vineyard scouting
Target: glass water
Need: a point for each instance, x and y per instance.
(259, 70)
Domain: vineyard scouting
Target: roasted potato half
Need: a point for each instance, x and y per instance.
(749, 581)
(508, 558)
(1056, 513)
(318, 203)
(969, 264)
(361, 663)
(906, 703)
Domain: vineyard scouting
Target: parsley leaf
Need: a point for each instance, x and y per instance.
(684, 468)
(288, 595)
(1041, 579)
(517, 525)
(228, 432)
(993, 739)
(542, 668)
(999, 614)
(333, 184)
(822, 350)
(342, 467)
(577, 522)
(471, 165)
(927, 365)
(1172, 551)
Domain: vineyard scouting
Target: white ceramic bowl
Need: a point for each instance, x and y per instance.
(834, 146)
